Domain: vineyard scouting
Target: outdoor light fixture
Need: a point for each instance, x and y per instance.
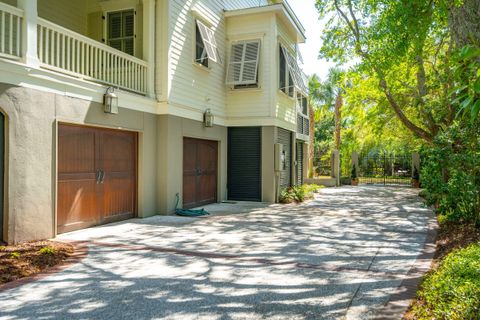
(208, 118)
(110, 101)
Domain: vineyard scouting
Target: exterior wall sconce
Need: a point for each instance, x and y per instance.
(110, 101)
(208, 118)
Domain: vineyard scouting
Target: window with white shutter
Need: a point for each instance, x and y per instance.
(121, 30)
(289, 68)
(206, 45)
(243, 65)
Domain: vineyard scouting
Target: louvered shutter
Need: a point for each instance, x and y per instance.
(294, 70)
(208, 38)
(243, 65)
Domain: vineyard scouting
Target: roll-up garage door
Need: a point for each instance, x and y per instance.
(299, 157)
(244, 163)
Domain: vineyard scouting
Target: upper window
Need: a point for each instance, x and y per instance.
(243, 65)
(302, 104)
(120, 30)
(205, 45)
(291, 76)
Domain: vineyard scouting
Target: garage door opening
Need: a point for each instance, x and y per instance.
(200, 163)
(97, 176)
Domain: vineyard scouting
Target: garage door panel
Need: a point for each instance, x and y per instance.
(199, 172)
(78, 150)
(96, 176)
(77, 203)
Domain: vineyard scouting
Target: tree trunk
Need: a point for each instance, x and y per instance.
(338, 119)
(464, 22)
(311, 145)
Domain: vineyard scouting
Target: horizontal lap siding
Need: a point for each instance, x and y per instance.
(71, 14)
(286, 106)
(244, 103)
(189, 85)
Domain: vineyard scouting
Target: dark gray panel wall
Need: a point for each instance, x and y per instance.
(244, 163)
(285, 137)
(299, 158)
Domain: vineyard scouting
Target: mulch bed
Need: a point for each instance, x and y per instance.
(450, 237)
(30, 258)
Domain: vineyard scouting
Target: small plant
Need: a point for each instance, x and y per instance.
(415, 178)
(3, 248)
(47, 251)
(298, 193)
(15, 255)
(354, 176)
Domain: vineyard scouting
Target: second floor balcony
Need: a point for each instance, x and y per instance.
(97, 41)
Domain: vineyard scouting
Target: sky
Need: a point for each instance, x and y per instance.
(308, 16)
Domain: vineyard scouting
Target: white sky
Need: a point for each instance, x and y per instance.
(308, 16)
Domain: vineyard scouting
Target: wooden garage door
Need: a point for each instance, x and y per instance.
(200, 159)
(96, 176)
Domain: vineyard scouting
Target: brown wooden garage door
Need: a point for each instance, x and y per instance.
(96, 176)
(199, 172)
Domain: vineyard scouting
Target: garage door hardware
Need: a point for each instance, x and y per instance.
(100, 176)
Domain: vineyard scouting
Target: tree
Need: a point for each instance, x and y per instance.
(405, 45)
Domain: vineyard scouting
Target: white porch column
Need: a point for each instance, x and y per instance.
(29, 32)
(149, 43)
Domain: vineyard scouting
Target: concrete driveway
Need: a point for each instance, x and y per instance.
(352, 253)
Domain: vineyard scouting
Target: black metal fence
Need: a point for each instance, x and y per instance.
(385, 169)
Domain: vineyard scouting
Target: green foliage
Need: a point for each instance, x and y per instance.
(451, 173)
(47, 251)
(453, 290)
(415, 174)
(15, 255)
(3, 248)
(298, 193)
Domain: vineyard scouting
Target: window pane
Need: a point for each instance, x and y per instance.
(128, 24)
(283, 72)
(117, 44)
(128, 46)
(114, 25)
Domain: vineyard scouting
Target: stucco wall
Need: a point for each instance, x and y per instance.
(171, 131)
(31, 122)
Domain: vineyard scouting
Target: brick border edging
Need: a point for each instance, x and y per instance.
(399, 302)
(79, 253)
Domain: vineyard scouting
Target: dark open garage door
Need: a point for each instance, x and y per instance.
(96, 176)
(200, 158)
(244, 163)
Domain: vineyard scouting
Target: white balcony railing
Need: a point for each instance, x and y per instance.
(65, 51)
(10, 31)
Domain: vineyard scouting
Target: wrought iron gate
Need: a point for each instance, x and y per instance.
(385, 169)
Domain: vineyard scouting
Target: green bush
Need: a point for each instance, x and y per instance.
(453, 290)
(298, 193)
(47, 251)
(450, 175)
(15, 255)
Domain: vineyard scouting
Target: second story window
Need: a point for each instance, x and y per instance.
(205, 45)
(242, 69)
(291, 76)
(302, 104)
(121, 30)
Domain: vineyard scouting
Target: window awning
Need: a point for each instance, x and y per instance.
(295, 71)
(208, 38)
(243, 64)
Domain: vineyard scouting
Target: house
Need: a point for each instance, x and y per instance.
(110, 108)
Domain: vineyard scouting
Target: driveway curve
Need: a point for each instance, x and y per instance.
(351, 253)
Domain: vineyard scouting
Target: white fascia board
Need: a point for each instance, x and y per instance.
(285, 12)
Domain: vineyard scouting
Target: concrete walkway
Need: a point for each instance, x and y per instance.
(349, 254)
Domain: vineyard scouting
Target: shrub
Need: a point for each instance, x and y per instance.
(298, 193)
(47, 251)
(453, 290)
(2, 248)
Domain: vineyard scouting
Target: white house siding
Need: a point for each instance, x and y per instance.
(192, 88)
(71, 14)
(285, 109)
(242, 4)
(252, 103)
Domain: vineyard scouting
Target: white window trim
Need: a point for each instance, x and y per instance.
(232, 82)
(105, 26)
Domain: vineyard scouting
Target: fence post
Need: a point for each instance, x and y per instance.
(355, 161)
(336, 167)
(415, 162)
